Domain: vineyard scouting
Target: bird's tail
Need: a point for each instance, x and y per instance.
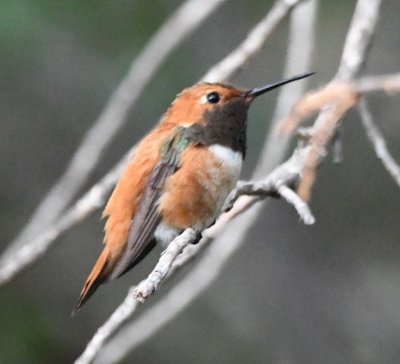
(96, 277)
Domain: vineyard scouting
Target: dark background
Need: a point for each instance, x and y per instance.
(329, 293)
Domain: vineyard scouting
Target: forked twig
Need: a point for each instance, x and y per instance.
(378, 141)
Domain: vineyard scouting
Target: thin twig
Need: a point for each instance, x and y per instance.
(211, 264)
(129, 305)
(146, 288)
(357, 44)
(278, 183)
(83, 208)
(253, 43)
(301, 207)
(119, 316)
(387, 83)
(200, 277)
(345, 93)
(358, 39)
(299, 59)
(181, 24)
(378, 141)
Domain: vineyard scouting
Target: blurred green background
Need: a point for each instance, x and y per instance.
(329, 293)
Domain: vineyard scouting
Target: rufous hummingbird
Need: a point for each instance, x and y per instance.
(179, 177)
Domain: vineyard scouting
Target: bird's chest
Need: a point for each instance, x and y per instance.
(194, 195)
(225, 166)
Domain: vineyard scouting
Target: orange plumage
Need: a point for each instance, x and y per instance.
(121, 208)
(179, 177)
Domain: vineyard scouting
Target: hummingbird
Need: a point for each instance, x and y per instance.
(179, 177)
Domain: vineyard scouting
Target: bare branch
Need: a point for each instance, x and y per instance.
(298, 59)
(278, 184)
(128, 306)
(83, 208)
(145, 288)
(358, 41)
(183, 293)
(345, 93)
(301, 207)
(378, 141)
(270, 188)
(181, 24)
(387, 83)
(323, 131)
(252, 44)
(120, 315)
(314, 101)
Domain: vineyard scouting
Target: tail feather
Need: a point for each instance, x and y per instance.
(96, 277)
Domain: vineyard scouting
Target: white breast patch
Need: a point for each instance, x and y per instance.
(229, 158)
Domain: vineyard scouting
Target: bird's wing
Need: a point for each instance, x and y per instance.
(128, 242)
(147, 217)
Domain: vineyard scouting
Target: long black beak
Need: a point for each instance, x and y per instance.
(261, 90)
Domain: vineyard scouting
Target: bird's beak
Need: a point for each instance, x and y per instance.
(252, 94)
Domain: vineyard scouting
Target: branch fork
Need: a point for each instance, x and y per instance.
(148, 286)
(281, 182)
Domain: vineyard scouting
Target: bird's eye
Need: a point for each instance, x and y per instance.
(213, 97)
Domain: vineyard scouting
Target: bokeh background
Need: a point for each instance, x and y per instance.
(329, 293)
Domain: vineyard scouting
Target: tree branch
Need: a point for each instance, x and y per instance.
(358, 41)
(278, 183)
(120, 315)
(298, 59)
(252, 44)
(345, 93)
(146, 288)
(378, 141)
(357, 44)
(82, 209)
